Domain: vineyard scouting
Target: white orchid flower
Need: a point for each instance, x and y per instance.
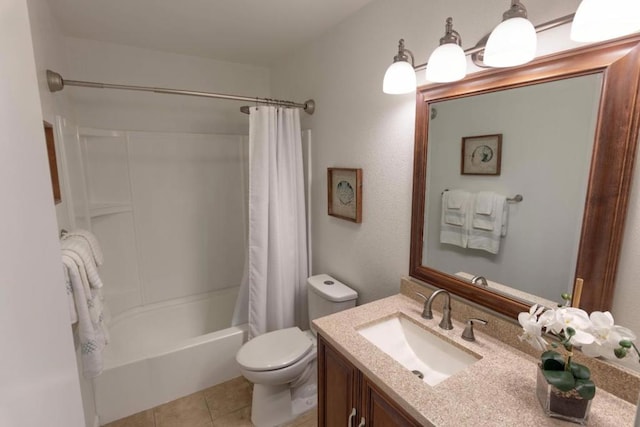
(578, 320)
(532, 328)
(607, 335)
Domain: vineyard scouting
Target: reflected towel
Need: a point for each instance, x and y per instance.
(483, 217)
(454, 217)
(486, 230)
(485, 201)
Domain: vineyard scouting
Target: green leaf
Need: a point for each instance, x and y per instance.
(552, 361)
(563, 380)
(580, 372)
(625, 343)
(620, 352)
(586, 389)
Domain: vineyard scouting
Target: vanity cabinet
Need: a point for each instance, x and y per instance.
(346, 397)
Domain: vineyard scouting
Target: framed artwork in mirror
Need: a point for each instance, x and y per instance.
(481, 155)
(345, 193)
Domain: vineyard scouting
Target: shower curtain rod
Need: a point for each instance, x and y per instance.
(57, 83)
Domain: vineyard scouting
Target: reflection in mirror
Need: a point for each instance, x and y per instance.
(543, 163)
(547, 140)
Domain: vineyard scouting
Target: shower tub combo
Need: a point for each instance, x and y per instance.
(163, 351)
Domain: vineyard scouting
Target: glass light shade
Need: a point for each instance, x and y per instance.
(598, 20)
(400, 78)
(447, 63)
(513, 42)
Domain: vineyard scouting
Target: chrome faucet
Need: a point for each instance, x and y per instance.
(467, 334)
(427, 313)
(479, 279)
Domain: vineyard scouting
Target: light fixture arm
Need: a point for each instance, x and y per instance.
(479, 47)
(402, 54)
(517, 10)
(451, 35)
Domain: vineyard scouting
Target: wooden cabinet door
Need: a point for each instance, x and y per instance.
(379, 410)
(338, 383)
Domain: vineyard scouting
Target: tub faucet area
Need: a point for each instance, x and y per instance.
(427, 313)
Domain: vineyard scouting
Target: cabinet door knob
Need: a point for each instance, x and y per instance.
(351, 417)
(361, 422)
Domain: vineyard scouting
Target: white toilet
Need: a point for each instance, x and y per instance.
(282, 364)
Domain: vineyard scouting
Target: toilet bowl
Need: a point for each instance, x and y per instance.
(282, 364)
(277, 358)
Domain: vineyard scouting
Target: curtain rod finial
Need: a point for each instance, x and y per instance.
(309, 106)
(54, 81)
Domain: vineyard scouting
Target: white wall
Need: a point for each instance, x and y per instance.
(57, 110)
(356, 125)
(37, 364)
(49, 53)
(547, 138)
(126, 110)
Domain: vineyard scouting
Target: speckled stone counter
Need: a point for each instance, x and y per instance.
(497, 390)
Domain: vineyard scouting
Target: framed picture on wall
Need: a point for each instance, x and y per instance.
(481, 155)
(345, 193)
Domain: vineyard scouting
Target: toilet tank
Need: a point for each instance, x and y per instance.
(327, 295)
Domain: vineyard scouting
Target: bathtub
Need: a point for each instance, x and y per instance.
(163, 351)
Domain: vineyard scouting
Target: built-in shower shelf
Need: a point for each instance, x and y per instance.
(102, 209)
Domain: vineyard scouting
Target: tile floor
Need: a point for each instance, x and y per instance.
(224, 405)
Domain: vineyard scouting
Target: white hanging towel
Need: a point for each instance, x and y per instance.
(92, 335)
(488, 221)
(82, 248)
(73, 314)
(92, 242)
(456, 206)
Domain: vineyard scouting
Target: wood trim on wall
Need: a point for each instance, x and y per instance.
(53, 164)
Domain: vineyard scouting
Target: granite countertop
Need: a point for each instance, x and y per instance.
(497, 390)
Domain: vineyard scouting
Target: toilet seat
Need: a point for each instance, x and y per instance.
(274, 350)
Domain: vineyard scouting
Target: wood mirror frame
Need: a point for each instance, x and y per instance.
(613, 155)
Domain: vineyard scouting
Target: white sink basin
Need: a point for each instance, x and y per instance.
(417, 349)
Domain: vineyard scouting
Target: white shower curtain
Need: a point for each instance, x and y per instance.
(273, 291)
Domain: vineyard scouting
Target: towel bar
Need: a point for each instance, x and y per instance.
(515, 199)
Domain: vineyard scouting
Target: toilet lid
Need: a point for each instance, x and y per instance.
(274, 350)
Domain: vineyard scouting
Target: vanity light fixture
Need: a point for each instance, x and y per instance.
(448, 62)
(400, 77)
(514, 41)
(598, 20)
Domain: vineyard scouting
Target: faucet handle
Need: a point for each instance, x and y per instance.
(467, 334)
(426, 310)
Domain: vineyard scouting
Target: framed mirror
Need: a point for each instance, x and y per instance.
(568, 137)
